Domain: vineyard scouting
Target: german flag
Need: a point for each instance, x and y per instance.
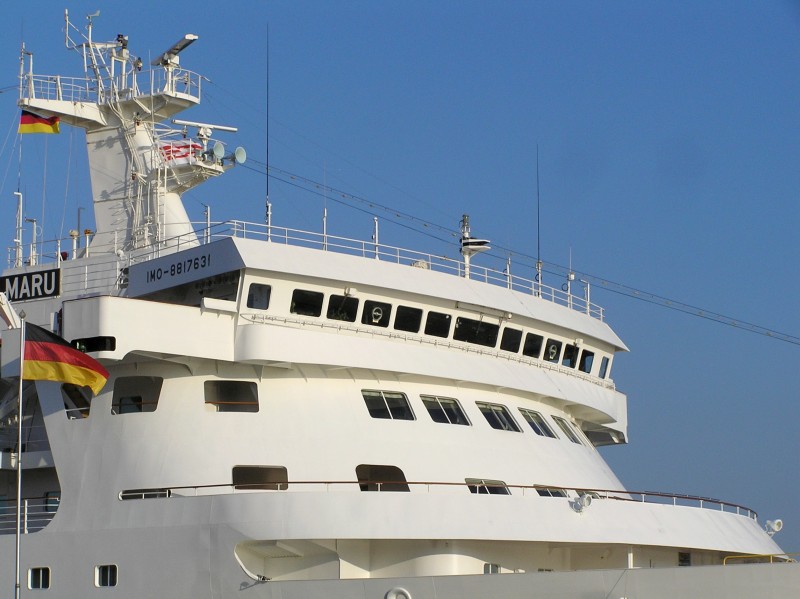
(48, 357)
(33, 123)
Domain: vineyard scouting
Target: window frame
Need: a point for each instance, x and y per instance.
(106, 576)
(540, 422)
(309, 300)
(407, 314)
(387, 413)
(567, 428)
(250, 300)
(515, 343)
(434, 324)
(41, 576)
(437, 399)
(495, 409)
(485, 486)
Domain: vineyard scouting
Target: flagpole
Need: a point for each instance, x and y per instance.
(19, 450)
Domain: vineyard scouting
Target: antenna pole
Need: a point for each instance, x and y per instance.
(538, 291)
(268, 215)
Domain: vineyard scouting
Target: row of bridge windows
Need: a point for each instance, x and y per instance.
(410, 319)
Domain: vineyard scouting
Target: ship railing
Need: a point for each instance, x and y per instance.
(61, 249)
(549, 492)
(123, 86)
(399, 255)
(35, 514)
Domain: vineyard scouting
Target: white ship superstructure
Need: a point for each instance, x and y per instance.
(292, 414)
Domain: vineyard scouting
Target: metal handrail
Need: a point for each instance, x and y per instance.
(773, 557)
(52, 250)
(571, 492)
(36, 513)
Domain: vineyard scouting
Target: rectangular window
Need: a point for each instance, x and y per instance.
(570, 358)
(511, 340)
(684, 558)
(603, 367)
(269, 478)
(232, 396)
(444, 409)
(476, 331)
(533, 345)
(39, 578)
(376, 314)
(377, 477)
(568, 430)
(491, 568)
(389, 405)
(545, 492)
(136, 394)
(537, 422)
(105, 576)
(342, 307)
(587, 359)
(258, 296)
(482, 486)
(498, 417)
(77, 401)
(160, 493)
(552, 350)
(438, 324)
(408, 319)
(306, 303)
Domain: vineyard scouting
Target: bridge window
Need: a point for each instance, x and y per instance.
(511, 340)
(533, 345)
(475, 331)
(587, 359)
(376, 477)
(258, 296)
(498, 417)
(408, 319)
(376, 314)
(603, 367)
(389, 405)
(232, 396)
(444, 409)
(306, 303)
(570, 359)
(342, 307)
(552, 350)
(438, 324)
(537, 423)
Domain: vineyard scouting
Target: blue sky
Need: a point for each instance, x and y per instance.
(669, 142)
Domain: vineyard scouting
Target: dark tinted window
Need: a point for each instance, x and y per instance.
(570, 358)
(552, 350)
(389, 405)
(408, 319)
(437, 324)
(475, 331)
(306, 303)
(511, 340)
(341, 307)
(376, 313)
(533, 345)
(587, 359)
(258, 296)
(445, 410)
(498, 417)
